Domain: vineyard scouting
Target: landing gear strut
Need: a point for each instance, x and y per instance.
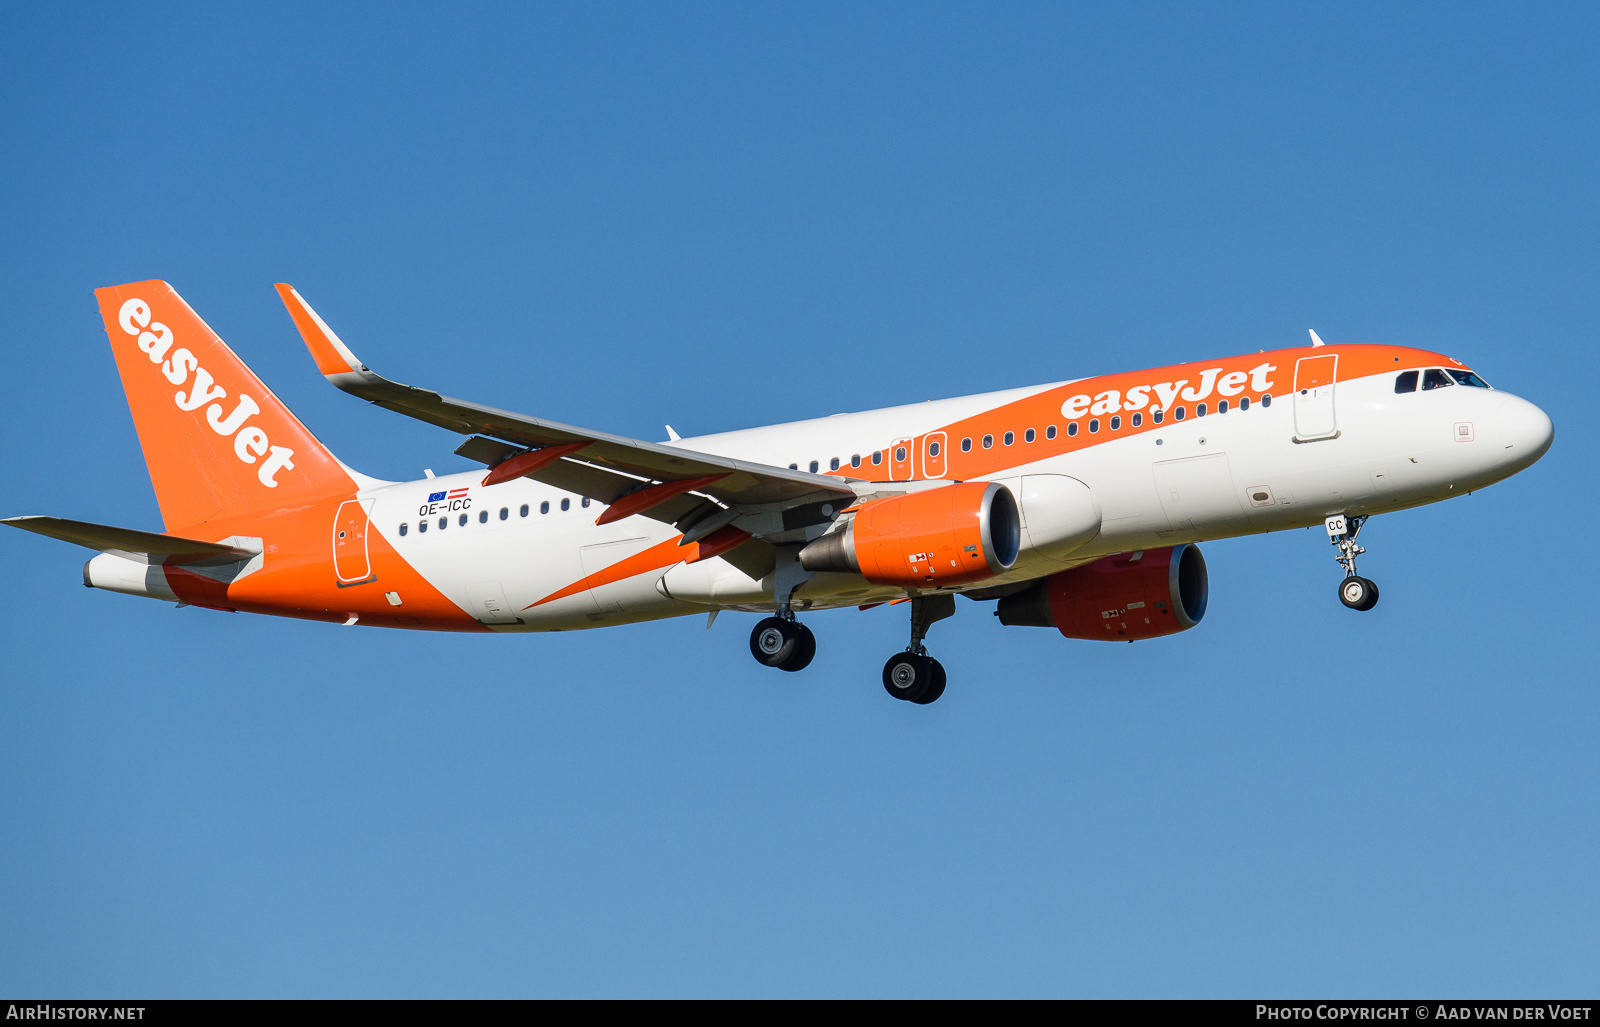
(913, 675)
(1356, 592)
(782, 641)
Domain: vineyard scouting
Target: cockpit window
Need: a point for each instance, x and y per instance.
(1468, 378)
(1434, 378)
(1406, 382)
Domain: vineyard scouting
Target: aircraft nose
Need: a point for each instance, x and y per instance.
(1525, 431)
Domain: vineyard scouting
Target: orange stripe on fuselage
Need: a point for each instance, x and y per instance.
(1044, 409)
(298, 577)
(662, 554)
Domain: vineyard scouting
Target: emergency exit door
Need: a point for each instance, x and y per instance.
(933, 447)
(350, 559)
(902, 457)
(1314, 379)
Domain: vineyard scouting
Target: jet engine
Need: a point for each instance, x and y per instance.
(944, 536)
(1125, 597)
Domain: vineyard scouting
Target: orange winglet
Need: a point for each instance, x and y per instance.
(718, 542)
(527, 463)
(330, 353)
(655, 495)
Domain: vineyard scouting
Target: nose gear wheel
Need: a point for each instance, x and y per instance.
(1358, 593)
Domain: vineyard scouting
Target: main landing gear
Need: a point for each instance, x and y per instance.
(784, 643)
(914, 675)
(1356, 592)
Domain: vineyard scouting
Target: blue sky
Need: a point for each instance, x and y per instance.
(721, 216)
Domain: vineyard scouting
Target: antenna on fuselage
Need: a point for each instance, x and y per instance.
(1316, 340)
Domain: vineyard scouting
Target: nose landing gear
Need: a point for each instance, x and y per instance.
(913, 675)
(1356, 592)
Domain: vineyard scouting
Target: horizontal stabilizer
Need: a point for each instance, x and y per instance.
(139, 545)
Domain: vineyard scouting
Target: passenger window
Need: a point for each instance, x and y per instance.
(1266, 399)
(899, 452)
(524, 510)
(1028, 436)
(1406, 381)
(833, 465)
(444, 522)
(1433, 378)
(1177, 415)
(813, 467)
(1116, 422)
(1138, 419)
(422, 526)
(1468, 378)
(544, 507)
(566, 504)
(933, 449)
(483, 517)
(988, 441)
(1158, 415)
(1094, 425)
(403, 529)
(855, 460)
(1072, 429)
(462, 520)
(1199, 410)
(1049, 431)
(794, 467)
(1008, 438)
(584, 502)
(1222, 406)
(966, 445)
(877, 456)
(505, 512)
(1244, 402)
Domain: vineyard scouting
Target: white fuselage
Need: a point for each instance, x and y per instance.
(1235, 473)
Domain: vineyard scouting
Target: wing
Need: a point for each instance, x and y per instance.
(146, 546)
(678, 486)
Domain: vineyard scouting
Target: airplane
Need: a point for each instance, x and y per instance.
(1074, 505)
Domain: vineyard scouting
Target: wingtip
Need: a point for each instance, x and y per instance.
(329, 352)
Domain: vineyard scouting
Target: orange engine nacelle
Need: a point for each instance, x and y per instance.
(1121, 598)
(944, 536)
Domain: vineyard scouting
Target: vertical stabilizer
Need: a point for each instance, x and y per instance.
(217, 442)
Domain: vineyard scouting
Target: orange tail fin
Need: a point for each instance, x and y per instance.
(217, 441)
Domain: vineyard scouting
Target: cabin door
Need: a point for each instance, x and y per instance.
(351, 563)
(1313, 396)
